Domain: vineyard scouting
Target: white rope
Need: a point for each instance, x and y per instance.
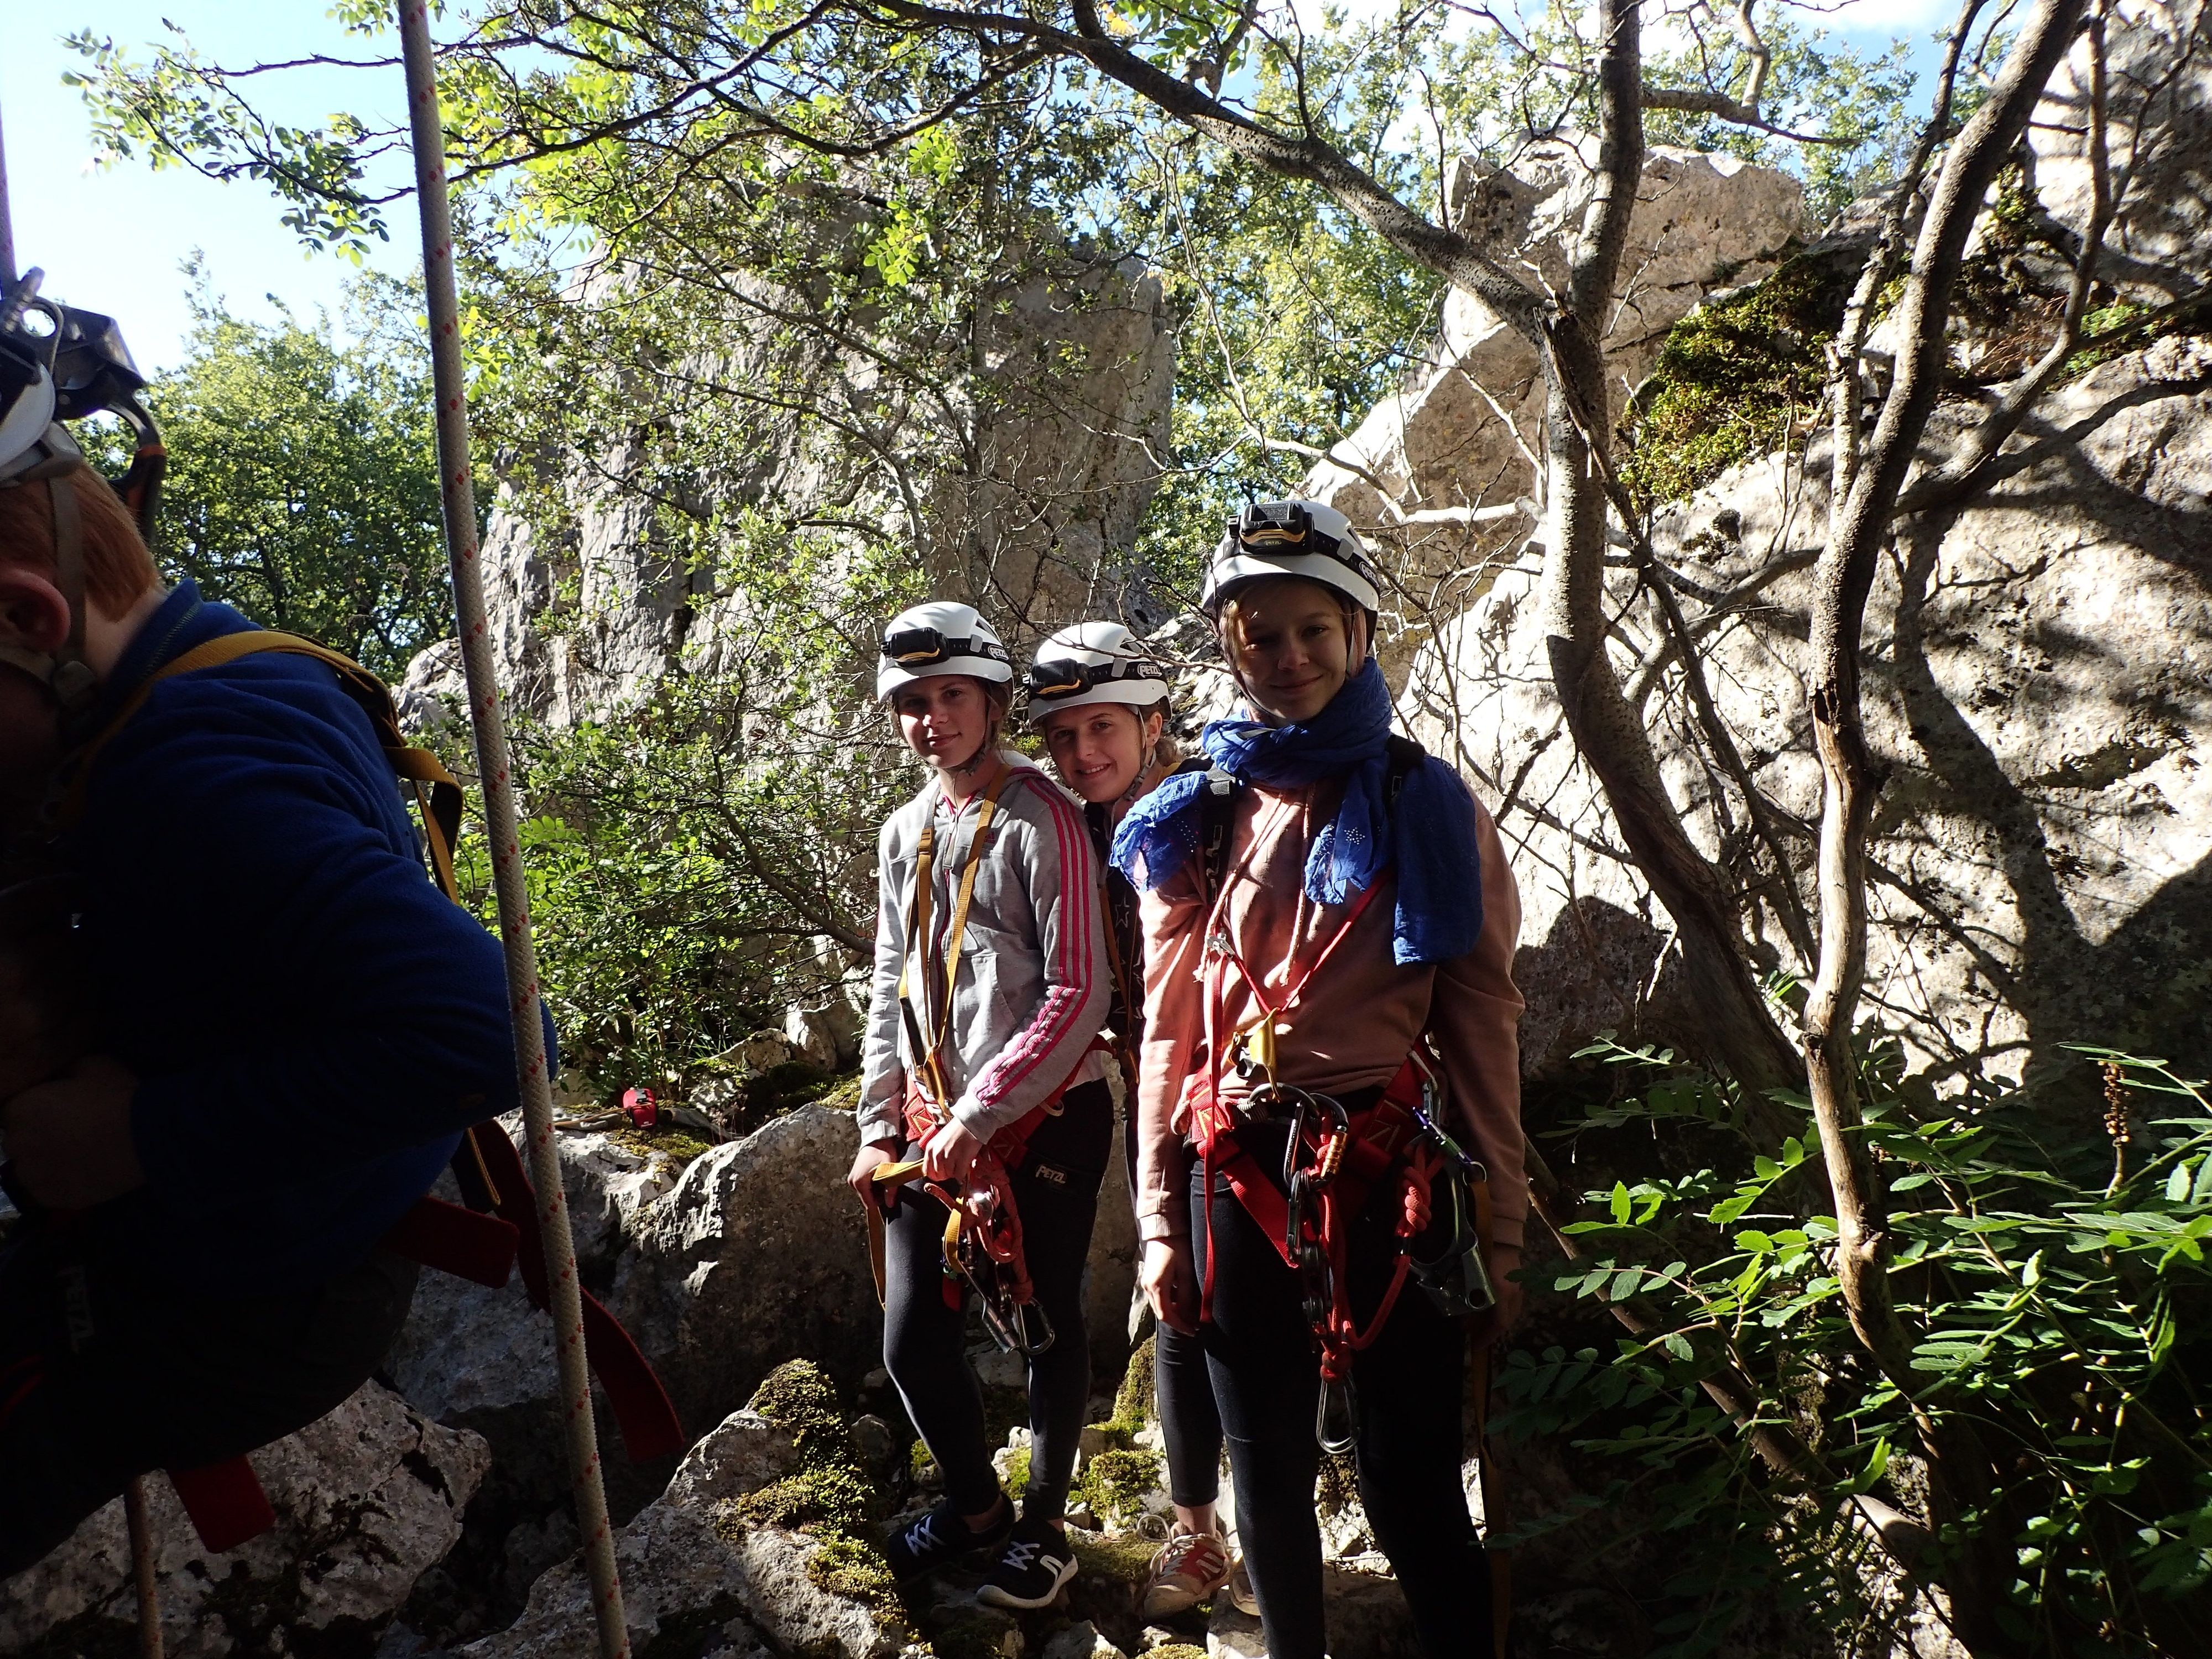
(501, 816)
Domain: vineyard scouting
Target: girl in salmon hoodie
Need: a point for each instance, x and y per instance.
(1328, 1109)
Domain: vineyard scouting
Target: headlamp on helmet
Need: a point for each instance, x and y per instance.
(1093, 662)
(1304, 538)
(942, 638)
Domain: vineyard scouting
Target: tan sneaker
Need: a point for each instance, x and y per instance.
(1240, 1588)
(1189, 1567)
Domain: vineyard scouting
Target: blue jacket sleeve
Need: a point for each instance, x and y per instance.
(354, 1010)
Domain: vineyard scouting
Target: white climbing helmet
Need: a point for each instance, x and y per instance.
(941, 637)
(1310, 539)
(1093, 662)
(26, 404)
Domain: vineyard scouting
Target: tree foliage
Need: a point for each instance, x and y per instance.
(303, 481)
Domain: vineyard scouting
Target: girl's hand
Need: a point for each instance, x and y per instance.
(950, 1152)
(872, 1156)
(1170, 1283)
(1501, 1260)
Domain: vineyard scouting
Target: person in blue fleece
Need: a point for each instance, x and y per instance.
(292, 1026)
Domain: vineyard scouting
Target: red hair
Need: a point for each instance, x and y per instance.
(119, 571)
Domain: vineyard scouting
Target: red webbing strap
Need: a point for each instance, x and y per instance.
(226, 1502)
(450, 1239)
(649, 1425)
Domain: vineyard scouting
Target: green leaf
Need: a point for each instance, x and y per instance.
(1678, 1346)
(1620, 1204)
(2177, 1184)
(1730, 1209)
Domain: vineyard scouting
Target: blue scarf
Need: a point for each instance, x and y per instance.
(1431, 837)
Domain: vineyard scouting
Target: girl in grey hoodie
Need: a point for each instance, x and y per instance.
(991, 986)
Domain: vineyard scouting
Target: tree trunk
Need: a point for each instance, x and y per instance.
(1962, 1480)
(1740, 1034)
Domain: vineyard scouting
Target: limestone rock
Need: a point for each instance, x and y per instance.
(688, 1562)
(466, 1350)
(2038, 686)
(2159, 130)
(1081, 1640)
(367, 1499)
(759, 1254)
(432, 696)
(1032, 493)
(1454, 445)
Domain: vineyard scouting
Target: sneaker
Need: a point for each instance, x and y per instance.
(943, 1538)
(1188, 1568)
(1037, 1560)
(1240, 1595)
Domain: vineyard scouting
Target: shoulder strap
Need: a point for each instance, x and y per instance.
(1404, 757)
(437, 792)
(920, 923)
(1217, 815)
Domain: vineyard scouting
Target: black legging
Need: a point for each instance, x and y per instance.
(926, 1342)
(1190, 1423)
(1410, 1386)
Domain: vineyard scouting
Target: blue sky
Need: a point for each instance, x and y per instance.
(112, 239)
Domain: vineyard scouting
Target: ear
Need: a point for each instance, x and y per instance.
(34, 615)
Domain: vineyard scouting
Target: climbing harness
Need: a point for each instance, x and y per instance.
(983, 1246)
(1336, 1156)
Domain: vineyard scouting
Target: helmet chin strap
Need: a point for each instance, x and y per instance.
(65, 672)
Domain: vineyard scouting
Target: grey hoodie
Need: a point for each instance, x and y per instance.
(1033, 987)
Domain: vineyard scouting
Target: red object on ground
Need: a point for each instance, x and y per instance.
(643, 1107)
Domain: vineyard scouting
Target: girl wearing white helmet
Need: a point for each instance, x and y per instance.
(981, 1090)
(1101, 702)
(1330, 1016)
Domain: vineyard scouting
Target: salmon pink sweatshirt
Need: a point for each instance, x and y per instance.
(1357, 1018)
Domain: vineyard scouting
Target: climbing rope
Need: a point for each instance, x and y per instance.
(501, 822)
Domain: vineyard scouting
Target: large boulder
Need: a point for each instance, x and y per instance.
(703, 1566)
(759, 1255)
(367, 1499)
(482, 1359)
(1444, 467)
(2037, 669)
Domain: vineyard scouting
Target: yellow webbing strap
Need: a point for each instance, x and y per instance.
(437, 792)
(932, 1069)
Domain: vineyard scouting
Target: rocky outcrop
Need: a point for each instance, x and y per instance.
(753, 1253)
(367, 1499)
(2037, 670)
(700, 1564)
(1019, 482)
(1445, 469)
(2158, 134)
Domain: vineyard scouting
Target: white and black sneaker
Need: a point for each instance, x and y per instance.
(1036, 1563)
(943, 1538)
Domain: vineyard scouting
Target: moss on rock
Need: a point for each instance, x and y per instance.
(1116, 1482)
(831, 1497)
(1119, 1557)
(1738, 377)
(1136, 1400)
